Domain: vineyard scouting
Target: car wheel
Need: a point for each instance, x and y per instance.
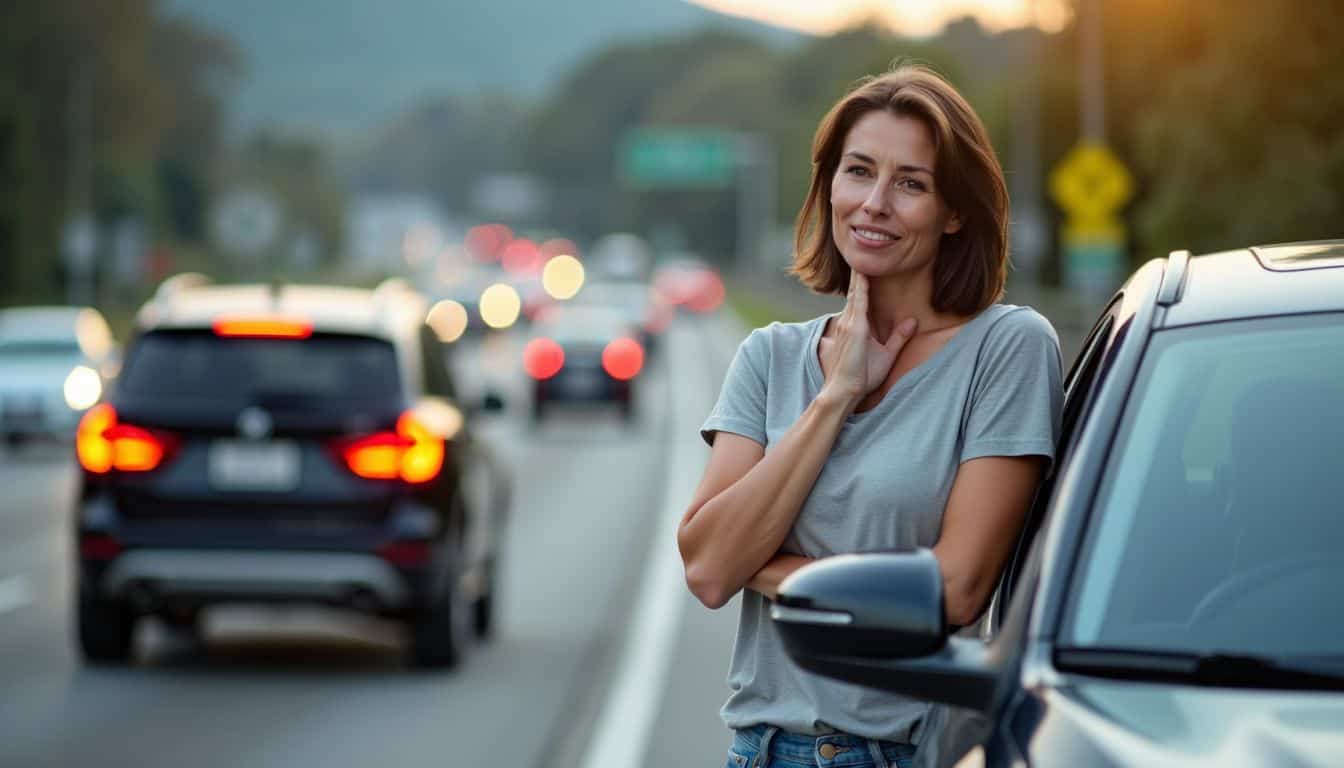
(483, 610)
(440, 635)
(106, 629)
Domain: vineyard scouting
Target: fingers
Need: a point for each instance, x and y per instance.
(901, 334)
(858, 288)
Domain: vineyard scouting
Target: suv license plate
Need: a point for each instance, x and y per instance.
(243, 465)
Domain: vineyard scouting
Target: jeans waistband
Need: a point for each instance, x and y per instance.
(844, 748)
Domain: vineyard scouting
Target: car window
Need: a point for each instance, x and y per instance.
(190, 364)
(1220, 518)
(39, 348)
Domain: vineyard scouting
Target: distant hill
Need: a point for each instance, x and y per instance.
(341, 67)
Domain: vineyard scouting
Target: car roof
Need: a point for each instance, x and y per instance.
(383, 312)
(1281, 279)
(83, 326)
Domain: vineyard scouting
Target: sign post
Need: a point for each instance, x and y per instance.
(1091, 185)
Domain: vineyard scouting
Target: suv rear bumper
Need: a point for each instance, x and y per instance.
(151, 575)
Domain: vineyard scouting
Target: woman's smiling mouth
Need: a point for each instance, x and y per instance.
(874, 237)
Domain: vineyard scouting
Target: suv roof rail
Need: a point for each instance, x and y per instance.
(1173, 279)
(181, 282)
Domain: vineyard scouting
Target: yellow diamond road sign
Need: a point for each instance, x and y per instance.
(1091, 185)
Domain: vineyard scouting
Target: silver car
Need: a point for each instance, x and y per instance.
(55, 363)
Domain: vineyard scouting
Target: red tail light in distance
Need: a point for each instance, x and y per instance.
(543, 358)
(623, 358)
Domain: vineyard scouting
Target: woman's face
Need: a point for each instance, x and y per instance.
(887, 217)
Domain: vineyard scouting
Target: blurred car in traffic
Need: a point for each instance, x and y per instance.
(55, 363)
(583, 353)
(286, 443)
(643, 307)
(1173, 598)
(690, 284)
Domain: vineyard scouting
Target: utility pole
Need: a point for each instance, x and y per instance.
(1029, 221)
(1092, 94)
(755, 200)
(79, 235)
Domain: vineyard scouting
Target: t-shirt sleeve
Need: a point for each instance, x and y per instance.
(1017, 393)
(741, 405)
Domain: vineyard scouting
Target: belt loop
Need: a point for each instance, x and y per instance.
(763, 756)
(875, 749)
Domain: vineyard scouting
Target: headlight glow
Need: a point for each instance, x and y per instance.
(83, 388)
(500, 305)
(562, 277)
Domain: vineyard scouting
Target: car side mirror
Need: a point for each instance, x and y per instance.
(878, 620)
(874, 606)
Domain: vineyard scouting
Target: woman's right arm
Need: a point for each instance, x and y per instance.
(748, 499)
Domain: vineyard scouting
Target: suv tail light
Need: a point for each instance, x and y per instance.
(103, 443)
(411, 452)
(623, 358)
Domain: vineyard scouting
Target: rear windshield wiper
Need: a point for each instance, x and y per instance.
(1214, 669)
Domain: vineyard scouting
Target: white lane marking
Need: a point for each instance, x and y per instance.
(15, 593)
(622, 730)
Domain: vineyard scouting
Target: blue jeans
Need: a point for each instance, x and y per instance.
(765, 746)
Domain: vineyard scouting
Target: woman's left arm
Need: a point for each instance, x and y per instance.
(984, 515)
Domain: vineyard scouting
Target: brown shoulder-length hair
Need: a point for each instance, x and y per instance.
(972, 263)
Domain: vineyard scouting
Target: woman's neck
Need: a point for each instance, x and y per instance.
(895, 298)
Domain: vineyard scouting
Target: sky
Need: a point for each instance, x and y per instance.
(911, 17)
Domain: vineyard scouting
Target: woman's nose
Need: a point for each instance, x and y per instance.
(878, 202)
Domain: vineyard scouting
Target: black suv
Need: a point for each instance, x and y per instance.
(286, 443)
(1174, 597)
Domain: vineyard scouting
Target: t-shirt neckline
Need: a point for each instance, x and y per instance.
(817, 377)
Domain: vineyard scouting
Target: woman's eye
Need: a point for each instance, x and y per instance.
(856, 170)
(913, 184)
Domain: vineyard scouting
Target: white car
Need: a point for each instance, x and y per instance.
(55, 363)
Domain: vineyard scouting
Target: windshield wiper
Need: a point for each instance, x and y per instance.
(1214, 669)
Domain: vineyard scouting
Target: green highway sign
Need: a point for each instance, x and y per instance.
(669, 157)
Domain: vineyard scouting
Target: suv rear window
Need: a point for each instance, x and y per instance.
(199, 364)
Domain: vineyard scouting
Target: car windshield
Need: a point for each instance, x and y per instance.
(1219, 526)
(39, 348)
(191, 365)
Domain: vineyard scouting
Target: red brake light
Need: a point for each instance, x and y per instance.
(263, 327)
(623, 359)
(102, 443)
(543, 358)
(99, 546)
(411, 453)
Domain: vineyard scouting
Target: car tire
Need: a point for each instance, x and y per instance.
(483, 609)
(106, 629)
(14, 440)
(440, 635)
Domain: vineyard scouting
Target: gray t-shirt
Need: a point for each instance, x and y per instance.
(994, 389)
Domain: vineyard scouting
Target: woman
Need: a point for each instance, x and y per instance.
(923, 414)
